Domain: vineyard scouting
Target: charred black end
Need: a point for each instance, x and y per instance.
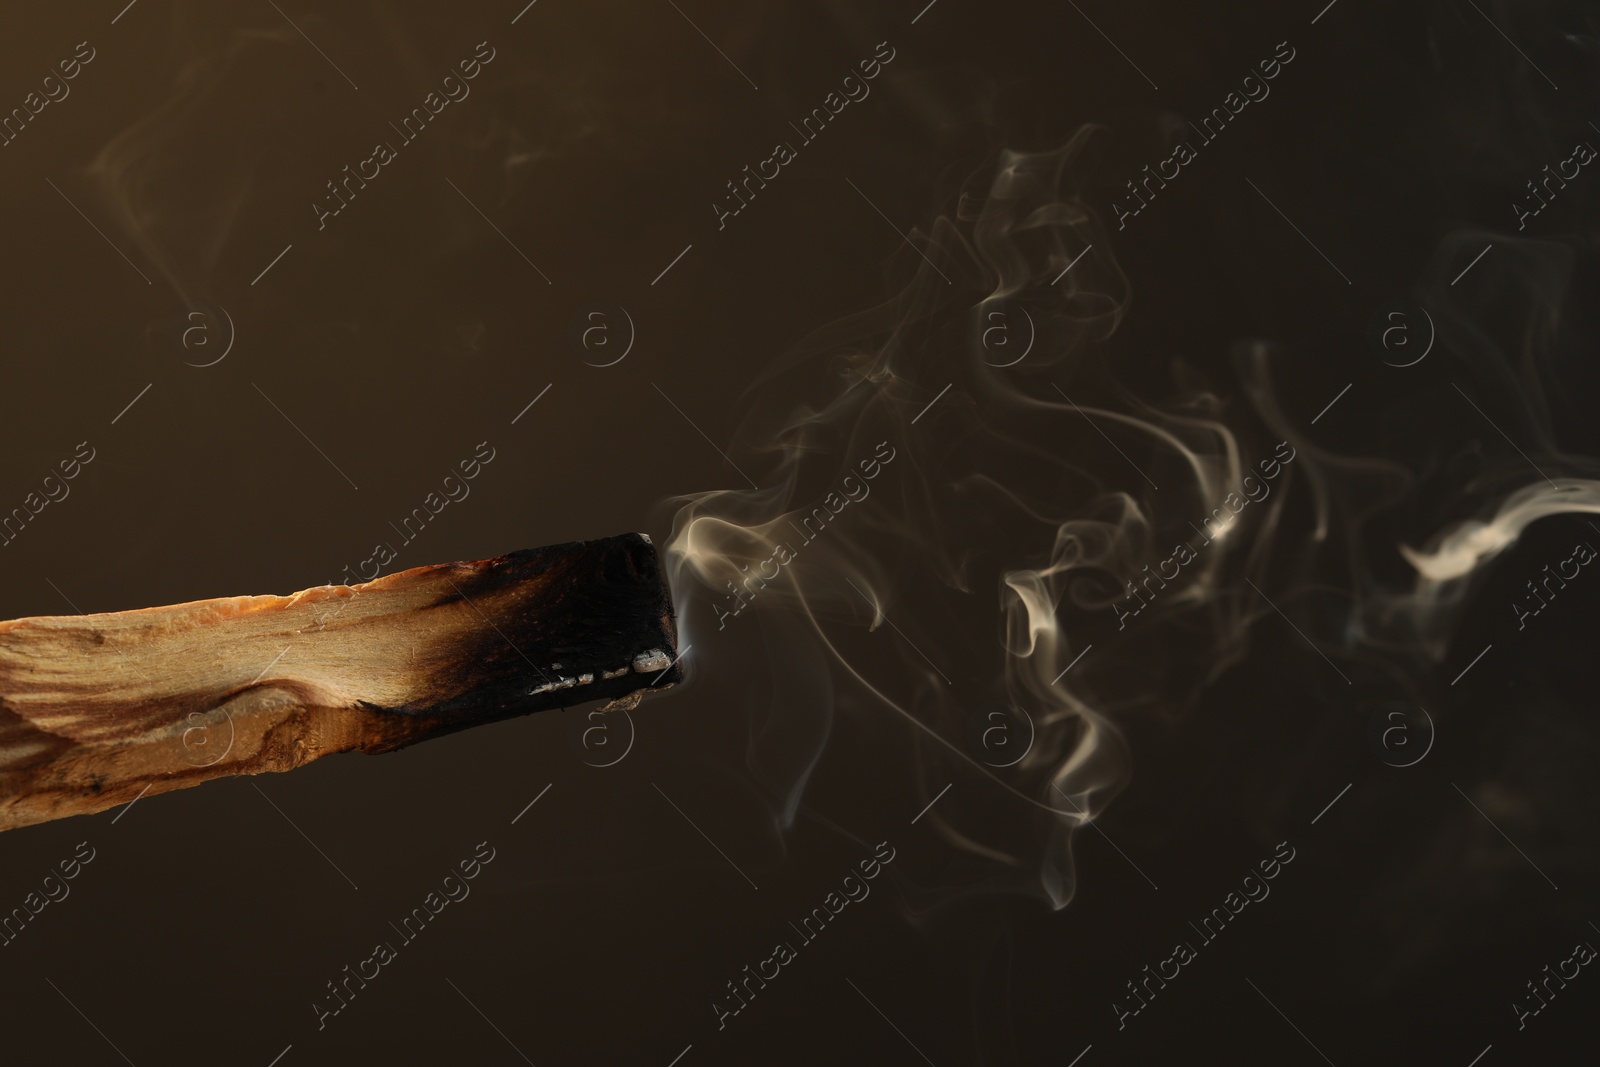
(561, 625)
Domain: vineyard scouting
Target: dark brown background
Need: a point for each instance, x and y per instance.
(408, 331)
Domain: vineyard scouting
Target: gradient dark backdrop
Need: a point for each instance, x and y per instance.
(408, 331)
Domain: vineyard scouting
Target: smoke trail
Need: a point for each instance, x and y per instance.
(956, 491)
(176, 194)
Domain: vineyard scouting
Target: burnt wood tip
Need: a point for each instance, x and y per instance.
(97, 710)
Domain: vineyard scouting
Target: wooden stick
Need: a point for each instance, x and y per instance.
(98, 710)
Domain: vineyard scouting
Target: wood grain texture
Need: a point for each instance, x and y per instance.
(96, 709)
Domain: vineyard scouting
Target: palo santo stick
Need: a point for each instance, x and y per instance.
(96, 710)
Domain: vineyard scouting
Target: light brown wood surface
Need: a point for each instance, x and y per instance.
(96, 710)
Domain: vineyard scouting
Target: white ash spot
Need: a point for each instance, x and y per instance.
(651, 661)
